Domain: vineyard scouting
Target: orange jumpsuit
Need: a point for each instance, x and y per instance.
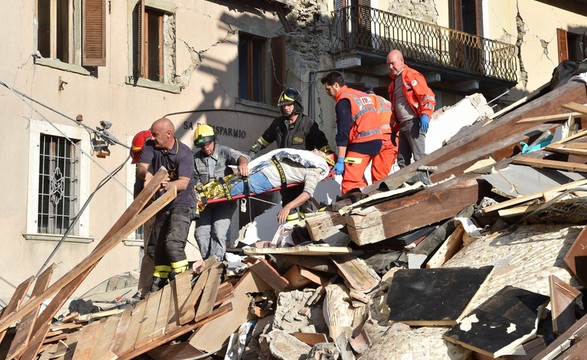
(383, 161)
(365, 128)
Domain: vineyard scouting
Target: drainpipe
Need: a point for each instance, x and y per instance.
(311, 90)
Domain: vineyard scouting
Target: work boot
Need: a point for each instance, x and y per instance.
(158, 283)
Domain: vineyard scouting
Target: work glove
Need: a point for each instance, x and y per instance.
(394, 138)
(252, 155)
(424, 123)
(339, 166)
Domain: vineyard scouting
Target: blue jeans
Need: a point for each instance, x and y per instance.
(258, 183)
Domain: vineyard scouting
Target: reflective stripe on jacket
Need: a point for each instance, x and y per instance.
(383, 107)
(365, 122)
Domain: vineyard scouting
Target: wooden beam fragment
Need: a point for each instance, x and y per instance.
(554, 117)
(15, 301)
(447, 249)
(78, 272)
(25, 327)
(270, 275)
(562, 301)
(574, 106)
(552, 164)
(529, 197)
(576, 257)
(357, 274)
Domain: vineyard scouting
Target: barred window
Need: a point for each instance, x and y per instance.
(58, 185)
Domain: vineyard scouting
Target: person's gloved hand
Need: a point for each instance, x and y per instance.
(394, 138)
(424, 123)
(339, 166)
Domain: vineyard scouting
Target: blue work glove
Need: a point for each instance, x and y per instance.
(339, 166)
(394, 138)
(424, 123)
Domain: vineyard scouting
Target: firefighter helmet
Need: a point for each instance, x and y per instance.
(291, 96)
(137, 145)
(203, 135)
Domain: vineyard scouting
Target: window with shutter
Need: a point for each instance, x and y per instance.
(153, 48)
(74, 37)
(252, 67)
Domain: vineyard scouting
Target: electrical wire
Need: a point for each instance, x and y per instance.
(87, 128)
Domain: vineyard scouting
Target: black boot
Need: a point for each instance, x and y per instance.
(157, 283)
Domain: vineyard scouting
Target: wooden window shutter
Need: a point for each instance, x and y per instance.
(278, 67)
(141, 38)
(563, 46)
(93, 33)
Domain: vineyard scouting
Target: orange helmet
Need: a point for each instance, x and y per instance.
(137, 145)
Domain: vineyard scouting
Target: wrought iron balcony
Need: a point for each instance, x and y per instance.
(361, 28)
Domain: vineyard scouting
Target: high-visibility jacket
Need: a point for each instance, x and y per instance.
(365, 125)
(384, 111)
(416, 91)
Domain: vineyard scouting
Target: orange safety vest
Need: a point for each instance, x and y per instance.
(365, 125)
(416, 91)
(384, 112)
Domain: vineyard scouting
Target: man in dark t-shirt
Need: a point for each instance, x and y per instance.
(170, 231)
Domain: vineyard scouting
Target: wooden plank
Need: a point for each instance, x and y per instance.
(565, 340)
(576, 257)
(397, 216)
(212, 335)
(105, 245)
(358, 275)
(147, 326)
(448, 248)
(87, 339)
(270, 275)
(15, 301)
(523, 199)
(554, 117)
(552, 164)
(321, 226)
(187, 311)
(518, 210)
(210, 291)
(501, 324)
(106, 337)
(562, 303)
(25, 327)
(573, 106)
(295, 278)
(163, 314)
(179, 331)
(448, 292)
(121, 330)
(306, 250)
(130, 336)
(225, 292)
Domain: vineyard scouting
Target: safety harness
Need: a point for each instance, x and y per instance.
(280, 171)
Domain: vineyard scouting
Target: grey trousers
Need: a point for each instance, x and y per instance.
(411, 143)
(213, 227)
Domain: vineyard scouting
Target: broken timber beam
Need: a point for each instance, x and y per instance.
(107, 244)
(399, 216)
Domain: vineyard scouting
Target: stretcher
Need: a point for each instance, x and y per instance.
(205, 201)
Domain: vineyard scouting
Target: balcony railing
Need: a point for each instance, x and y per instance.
(365, 28)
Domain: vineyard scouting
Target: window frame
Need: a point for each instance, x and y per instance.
(36, 128)
(136, 59)
(86, 36)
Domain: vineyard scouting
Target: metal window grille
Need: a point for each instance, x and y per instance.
(58, 184)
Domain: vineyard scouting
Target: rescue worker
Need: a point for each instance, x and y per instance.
(212, 162)
(413, 103)
(382, 162)
(170, 230)
(358, 133)
(147, 264)
(293, 130)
